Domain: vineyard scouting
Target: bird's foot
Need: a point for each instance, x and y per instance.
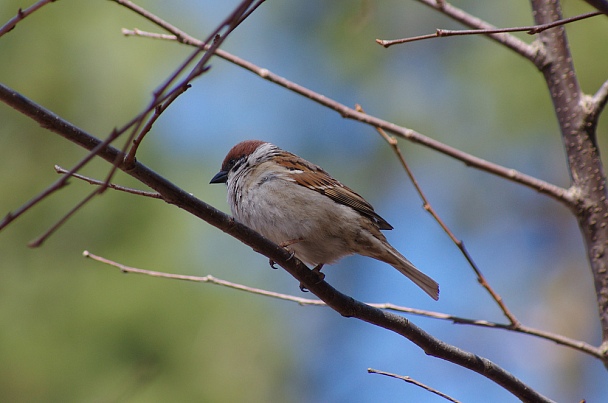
(272, 263)
(285, 245)
(317, 272)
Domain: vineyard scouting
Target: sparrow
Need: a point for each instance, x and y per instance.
(298, 205)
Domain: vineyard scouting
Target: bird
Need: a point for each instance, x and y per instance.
(298, 205)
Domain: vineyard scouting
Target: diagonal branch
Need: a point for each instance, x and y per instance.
(162, 98)
(459, 243)
(341, 303)
(21, 14)
(601, 5)
(413, 382)
(558, 193)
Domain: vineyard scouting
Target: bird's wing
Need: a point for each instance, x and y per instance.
(315, 178)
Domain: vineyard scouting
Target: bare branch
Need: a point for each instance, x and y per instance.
(161, 96)
(206, 279)
(21, 14)
(510, 41)
(414, 382)
(558, 193)
(25, 106)
(38, 241)
(458, 320)
(579, 141)
(599, 100)
(92, 181)
(459, 243)
(533, 29)
(601, 5)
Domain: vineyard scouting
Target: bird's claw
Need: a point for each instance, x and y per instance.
(272, 263)
(317, 272)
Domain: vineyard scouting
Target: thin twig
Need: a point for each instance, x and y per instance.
(21, 14)
(38, 241)
(505, 39)
(558, 339)
(558, 193)
(12, 98)
(217, 37)
(532, 30)
(92, 181)
(414, 382)
(458, 242)
(205, 279)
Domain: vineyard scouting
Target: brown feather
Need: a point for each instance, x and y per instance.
(314, 177)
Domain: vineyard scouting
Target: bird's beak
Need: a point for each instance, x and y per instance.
(220, 177)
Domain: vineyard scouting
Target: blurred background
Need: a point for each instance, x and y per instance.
(75, 330)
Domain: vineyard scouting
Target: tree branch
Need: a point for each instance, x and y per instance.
(21, 14)
(413, 382)
(560, 194)
(163, 97)
(579, 140)
(458, 320)
(341, 303)
(505, 39)
(533, 29)
(459, 243)
(92, 181)
(601, 5)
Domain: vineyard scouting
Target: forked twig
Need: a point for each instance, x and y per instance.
(459, 243)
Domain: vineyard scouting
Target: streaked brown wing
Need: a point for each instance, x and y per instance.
(315, 178)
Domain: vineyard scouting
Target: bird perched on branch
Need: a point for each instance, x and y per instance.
(299, 206)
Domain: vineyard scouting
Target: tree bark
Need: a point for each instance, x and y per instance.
(578, 129)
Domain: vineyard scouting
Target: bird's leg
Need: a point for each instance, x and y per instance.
(285, 244)
(289, 242)
(317, 272)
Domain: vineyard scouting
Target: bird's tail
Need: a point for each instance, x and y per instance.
(406, 267)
